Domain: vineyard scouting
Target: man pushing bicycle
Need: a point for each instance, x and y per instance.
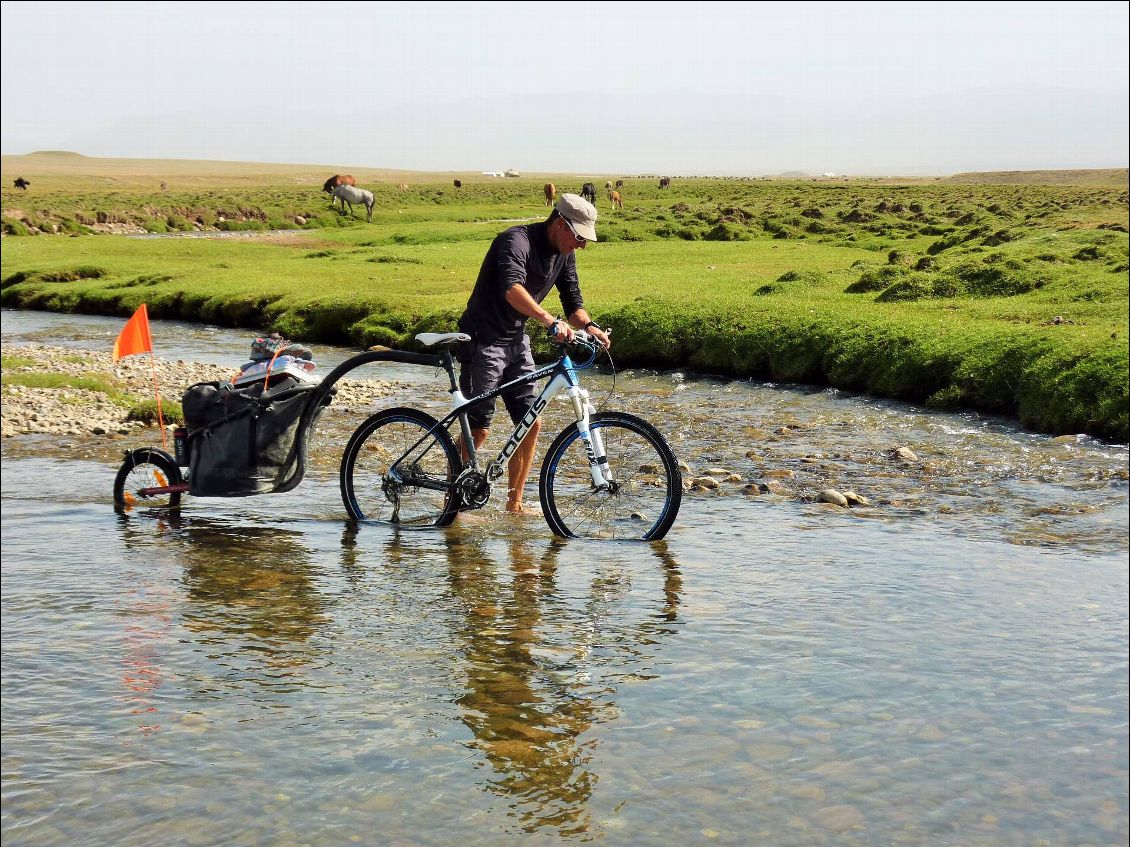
(521, 266)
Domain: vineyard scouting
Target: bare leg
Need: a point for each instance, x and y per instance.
(479, 436)
(519, 468)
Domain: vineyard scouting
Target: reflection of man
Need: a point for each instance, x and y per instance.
(525, 722)
(521, 267)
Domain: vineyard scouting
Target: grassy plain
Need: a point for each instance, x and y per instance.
(1009, 297)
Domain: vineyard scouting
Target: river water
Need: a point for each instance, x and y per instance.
(945, 666)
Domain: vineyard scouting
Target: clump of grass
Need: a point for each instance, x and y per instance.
(877, 279)
(13, 361)
(56, 381)
(395, 260)
(146, 412)
(84, 272)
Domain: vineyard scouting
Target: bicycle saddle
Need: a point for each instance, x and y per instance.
(430, 338)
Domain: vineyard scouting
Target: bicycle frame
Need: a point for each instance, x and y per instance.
(562, 376)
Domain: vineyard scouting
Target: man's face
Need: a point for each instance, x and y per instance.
(564, 239)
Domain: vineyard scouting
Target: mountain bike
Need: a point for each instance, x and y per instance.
(606, 475)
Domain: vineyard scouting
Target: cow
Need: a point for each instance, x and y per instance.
(336, 180)
(348, 195)
(617, 203)
(619, 183)
(550, 193)
(21, 183)
(665, 182)
(588, 191)
(458, 184)
(608, 185)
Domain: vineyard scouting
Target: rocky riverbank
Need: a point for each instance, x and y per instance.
(27, 409)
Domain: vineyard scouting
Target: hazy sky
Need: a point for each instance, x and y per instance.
(672, 88)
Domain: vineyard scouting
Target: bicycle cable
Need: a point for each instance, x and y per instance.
(612, 389)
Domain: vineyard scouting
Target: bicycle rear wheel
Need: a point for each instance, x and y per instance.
(398, 468)
(146, 468)
(642, 502)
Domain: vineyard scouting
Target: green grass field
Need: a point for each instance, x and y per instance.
(1007, 297)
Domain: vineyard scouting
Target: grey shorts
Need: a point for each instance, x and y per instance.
(484, 367)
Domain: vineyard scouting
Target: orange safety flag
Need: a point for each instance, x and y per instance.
(134, 337)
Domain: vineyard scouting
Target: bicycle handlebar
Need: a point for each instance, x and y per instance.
(579, 337)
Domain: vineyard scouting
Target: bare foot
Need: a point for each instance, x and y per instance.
(520, 509)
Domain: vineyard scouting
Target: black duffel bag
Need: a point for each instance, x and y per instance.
(245, 440)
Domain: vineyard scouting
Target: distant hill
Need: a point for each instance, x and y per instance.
(1096, 176)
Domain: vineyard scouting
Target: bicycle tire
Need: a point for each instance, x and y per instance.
(648, 489)
(146, 467)
(370, 494)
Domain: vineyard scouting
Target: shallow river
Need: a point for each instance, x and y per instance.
(945, 666)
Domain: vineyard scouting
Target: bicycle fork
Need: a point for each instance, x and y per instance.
(594, 442)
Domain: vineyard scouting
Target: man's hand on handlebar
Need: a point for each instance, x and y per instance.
(561, 332)
(601, 335)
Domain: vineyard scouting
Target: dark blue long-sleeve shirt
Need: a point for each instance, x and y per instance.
(522, 255)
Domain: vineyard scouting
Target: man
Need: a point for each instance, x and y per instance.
(522, 265)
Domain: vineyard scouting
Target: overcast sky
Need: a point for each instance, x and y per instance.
(671, 88)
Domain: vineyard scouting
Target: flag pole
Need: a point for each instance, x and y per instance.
(157, 394)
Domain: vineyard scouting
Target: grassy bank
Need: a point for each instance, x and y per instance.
(1008, 298)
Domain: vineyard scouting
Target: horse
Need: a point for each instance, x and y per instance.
(21, 183)
(403, 186)
(550, 193)
(336, 180)
(665, 182)
(458, 184)
(348, 195)
(608, 185)
(617, 203)
(588, 191)
(619, 183)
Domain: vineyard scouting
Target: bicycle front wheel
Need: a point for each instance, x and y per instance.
(398, 468)
(644, 497)
(143, 471)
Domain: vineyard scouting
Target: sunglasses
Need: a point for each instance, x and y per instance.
(580, 238)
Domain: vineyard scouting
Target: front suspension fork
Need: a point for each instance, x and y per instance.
(594, 442)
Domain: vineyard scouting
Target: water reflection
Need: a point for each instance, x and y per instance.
(250, 591)
(541, 662)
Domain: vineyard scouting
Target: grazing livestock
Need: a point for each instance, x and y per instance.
(588, 191)
(619, 183)
(608, 185)
(665, 182)
(21, 183)
(617, 203)
(458, 184)
(550, 193)
(403, 186)
(347, 195)
(336, 180)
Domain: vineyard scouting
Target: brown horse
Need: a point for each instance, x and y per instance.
(617, 203)
(338, 179)
(550, 193)
(403, 186)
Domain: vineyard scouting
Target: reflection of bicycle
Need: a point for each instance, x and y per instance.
(607, 475)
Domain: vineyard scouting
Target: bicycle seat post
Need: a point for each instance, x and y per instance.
(470, 458)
